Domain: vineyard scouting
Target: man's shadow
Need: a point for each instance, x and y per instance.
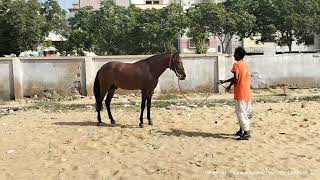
(179, 132)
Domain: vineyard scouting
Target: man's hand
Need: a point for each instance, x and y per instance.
(228, 89)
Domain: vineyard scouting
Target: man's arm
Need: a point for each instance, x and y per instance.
(232, 81)
(226, 81)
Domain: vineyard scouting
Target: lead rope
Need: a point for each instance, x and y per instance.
(175, 71)
(198, 104)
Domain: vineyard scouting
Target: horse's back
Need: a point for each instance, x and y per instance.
(122, 75)
(120, 67)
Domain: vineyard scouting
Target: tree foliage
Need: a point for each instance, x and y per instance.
(286, 21)
(112, 29)
(81, 34)
(221, 20)
(117, 30)
(22, 25)
(200, 17)
(54, 17)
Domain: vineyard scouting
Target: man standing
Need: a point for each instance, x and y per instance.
(242, 94)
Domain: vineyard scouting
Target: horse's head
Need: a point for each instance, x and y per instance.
(176, 65)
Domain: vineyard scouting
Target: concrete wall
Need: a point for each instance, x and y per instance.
(6, 80)
(26, 77)
(295, 70)
(75, 75)
(61, 75)
(201, 74)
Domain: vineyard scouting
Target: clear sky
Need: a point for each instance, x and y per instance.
(65, 4)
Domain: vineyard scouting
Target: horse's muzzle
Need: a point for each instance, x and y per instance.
(183, 77)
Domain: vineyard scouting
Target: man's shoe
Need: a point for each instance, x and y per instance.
(244, 136)
(239, 133)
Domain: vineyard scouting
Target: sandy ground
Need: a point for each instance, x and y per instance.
(184, 143)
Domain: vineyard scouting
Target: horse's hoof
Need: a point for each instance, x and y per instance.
(113, 122)
(99, 124)
(150, 123)
(141, 125)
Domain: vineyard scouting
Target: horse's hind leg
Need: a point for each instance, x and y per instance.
(99, 108)
(108, 102)
(99, 100)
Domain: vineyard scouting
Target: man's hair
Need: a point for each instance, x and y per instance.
(240, 51)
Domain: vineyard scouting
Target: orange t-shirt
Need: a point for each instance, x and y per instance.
(242, 90)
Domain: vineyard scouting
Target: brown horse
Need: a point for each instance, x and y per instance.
(143, 75)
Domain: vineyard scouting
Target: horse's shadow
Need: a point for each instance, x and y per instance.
(179, 132)
(91, 123)
(172, 132)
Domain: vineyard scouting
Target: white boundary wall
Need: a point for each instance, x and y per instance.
(23, 77)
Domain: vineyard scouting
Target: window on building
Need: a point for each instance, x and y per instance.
(152, 2)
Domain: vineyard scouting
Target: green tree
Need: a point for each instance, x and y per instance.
(23, 25)
(5, 28)
(173, 21)
(55, 18)
(265, 13)
(199, 19)
(147, 31)
(221, 20)
(286, 21)
(110, 26)
(81, 34)
(154, 30)
(135, 39)
(236, 20)
(307, 20)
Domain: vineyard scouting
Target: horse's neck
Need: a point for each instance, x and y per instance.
(158, 66)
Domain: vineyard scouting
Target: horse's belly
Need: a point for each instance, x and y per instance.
(124, 86)
(128, 84)
(130, 77)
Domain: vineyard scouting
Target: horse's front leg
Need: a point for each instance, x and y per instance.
(148, 111)
(143, 105)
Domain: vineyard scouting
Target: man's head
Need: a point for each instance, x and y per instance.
(239, 53)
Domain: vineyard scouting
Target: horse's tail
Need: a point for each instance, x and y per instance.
(97, 94)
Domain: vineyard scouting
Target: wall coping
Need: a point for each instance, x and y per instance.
(140, 57)
(105, 57)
